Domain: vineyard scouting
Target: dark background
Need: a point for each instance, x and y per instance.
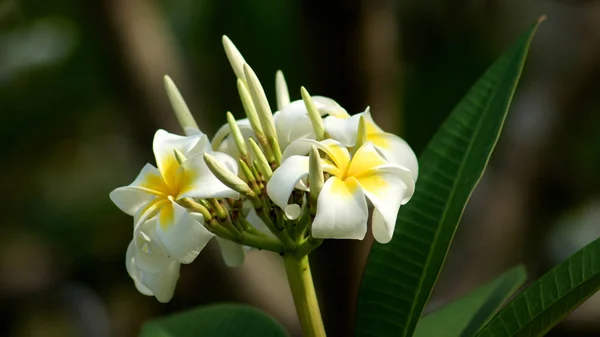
(81, 96)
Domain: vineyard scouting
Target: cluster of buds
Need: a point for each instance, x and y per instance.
(280, 181)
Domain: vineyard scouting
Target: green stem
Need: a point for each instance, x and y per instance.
(262, 242)
(303, 291)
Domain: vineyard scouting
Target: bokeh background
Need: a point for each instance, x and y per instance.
(81, 95)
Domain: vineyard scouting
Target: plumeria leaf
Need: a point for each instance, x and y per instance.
(551, 298)
(222, 320)
(464, 316)
(400, 276)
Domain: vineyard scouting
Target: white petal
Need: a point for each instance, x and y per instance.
(195, 179)
(292, 211)
(397, 151)
(387, 187)
(365, 159)
(327, 106)
(342, 211)
(300, 147)
(191, 131)
(344, 130)
(145, 187)
(293, 123)
(335, 150)
(223, 142)
(149, 254)
(162, 283)
(146, 212)
(233, 254)
(285, 177)
(181, 236)
(372, 127)
(164, 145)
(133, 270)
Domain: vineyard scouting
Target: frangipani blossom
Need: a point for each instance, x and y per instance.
(394, 149)
(342, 210)
(156, 191)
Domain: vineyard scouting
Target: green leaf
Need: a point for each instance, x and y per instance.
(551, 298)
(464, 316)
(400, 275)
(222, 320)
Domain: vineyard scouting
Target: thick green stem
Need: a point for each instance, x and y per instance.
(303, 291)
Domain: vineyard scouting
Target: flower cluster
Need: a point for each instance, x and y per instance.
(278, 181)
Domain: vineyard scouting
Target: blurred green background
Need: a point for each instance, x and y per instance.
(81, 96)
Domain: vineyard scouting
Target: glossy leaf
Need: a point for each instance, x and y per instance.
(223, 320)
(551, 298)
(400, 275)
(466, 315)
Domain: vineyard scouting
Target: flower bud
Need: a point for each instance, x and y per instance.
(249, 176)
(313, 114)
(265, 115)
(227, 177)
(237, 135)
(261, 160)
(182, 112)
(235, 58)
(315, 177)
(246, 99)
(361, 135)
(179, 156)
(281, 91)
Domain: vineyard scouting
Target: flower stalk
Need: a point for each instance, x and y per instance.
(303, 292)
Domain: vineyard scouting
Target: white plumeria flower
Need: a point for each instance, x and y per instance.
(156, 191)
(291, 123)
(395, 149)
(342, 210)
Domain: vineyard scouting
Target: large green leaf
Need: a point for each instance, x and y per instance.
(400, 275)
(222, 320)
(464, 316)
(551, 298)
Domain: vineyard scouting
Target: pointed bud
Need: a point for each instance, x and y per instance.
(179, 156)
(204, 203)
(263, 110)
(227, 177)
(315, 178)
(361, 135)
(237, 135)
(182, 112)
(196, 207)
(249, 176)
(261, 160)
(255, 172)
(313, 114)
(281, 91)
(235, 58)
(253, 118)
(216, 205)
